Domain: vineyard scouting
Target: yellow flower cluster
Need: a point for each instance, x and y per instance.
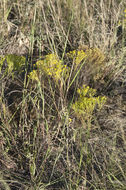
(34, 75)
(86, 102)
(86, 91)
(94, 56)
(51, 66)
(77, 55)
(94, 59)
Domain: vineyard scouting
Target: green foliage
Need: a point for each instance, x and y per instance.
(12, 63)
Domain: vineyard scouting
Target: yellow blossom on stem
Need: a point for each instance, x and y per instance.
(86, 102)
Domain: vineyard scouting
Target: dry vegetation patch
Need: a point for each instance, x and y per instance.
(62, 95)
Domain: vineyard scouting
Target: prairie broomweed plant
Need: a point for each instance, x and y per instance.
(77, 55)
(92, 55)
(34, 75)
(93, 59)
(51, 66)
(87, 101)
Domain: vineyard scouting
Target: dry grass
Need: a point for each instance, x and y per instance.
(44, 145)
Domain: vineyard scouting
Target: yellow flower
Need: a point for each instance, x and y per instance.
(86, 102)
(81, 55)
(77, 55)
(51, 66)
(33, 75)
